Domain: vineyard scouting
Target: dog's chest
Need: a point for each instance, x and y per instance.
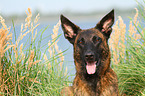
(85, 89)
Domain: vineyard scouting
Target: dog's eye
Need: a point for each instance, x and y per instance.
(96, 39)
(81, 41)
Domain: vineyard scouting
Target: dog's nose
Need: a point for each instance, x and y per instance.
(89, 55)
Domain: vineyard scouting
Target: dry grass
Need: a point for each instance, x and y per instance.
(119, 37)
(127, 47)
(22, 66)
(26, 70)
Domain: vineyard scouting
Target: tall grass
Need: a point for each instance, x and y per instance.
(24, 68)
(128, 54)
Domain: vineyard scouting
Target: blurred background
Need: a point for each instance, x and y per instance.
(78, 9)
(84, 13)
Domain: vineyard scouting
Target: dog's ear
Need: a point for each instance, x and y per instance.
(70, 29)
(106, 23)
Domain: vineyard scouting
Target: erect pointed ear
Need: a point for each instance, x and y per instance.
(70, 29)
(106, 23)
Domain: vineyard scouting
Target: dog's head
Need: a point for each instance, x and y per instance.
(91, 51)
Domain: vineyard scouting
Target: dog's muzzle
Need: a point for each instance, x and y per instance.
(91, 63)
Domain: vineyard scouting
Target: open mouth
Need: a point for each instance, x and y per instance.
(91, 66)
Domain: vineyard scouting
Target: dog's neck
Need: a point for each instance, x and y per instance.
(92, 81)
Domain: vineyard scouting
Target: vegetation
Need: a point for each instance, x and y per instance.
(26, 69)
(128, 55)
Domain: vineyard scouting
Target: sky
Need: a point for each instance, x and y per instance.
(9, 7)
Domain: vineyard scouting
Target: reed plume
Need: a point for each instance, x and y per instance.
(127, 47)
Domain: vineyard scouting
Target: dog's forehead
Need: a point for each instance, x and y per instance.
(89, 33)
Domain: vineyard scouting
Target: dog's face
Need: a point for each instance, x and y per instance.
(91, 51)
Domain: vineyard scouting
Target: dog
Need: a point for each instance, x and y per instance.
(94, 76)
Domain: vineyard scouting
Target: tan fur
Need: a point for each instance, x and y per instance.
(105, 87)
(104, 81)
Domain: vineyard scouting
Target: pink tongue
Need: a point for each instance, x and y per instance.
(91, 67)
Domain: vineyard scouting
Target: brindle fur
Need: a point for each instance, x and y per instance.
(104, 81)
